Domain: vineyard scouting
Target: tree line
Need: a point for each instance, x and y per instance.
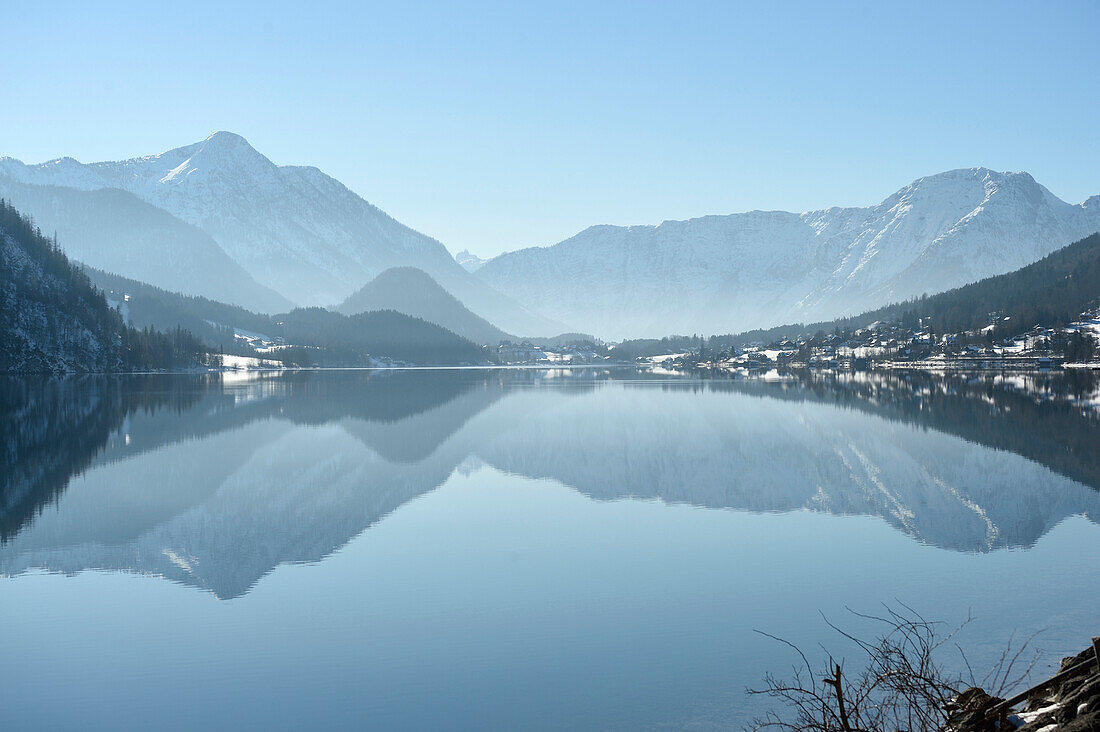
(53, 318)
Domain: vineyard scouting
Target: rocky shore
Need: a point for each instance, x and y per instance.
(1069, 701)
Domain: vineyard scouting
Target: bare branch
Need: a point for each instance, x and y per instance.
(903, 684)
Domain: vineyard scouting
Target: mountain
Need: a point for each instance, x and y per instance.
(116, 231)
(469, 261)
(53, 319)
(721, 274)
(413, 292)
(353, 340)
(293, 228)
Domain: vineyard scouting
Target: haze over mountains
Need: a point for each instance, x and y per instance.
(721, 274)
(115, 231)
(220, 220)
(293, 228)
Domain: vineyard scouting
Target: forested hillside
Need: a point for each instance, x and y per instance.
(413, 292)
(1050, 292)
(312, 336)
(146, 306)
(353, 340)
(53, 319)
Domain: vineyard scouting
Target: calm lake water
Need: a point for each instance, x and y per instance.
(515, 549)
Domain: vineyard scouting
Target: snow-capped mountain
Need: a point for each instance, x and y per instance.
(720, 274)
(312, 240)
(469, 261)
(293, 228)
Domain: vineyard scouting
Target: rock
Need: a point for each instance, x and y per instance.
(1071, 704)
(969, 712)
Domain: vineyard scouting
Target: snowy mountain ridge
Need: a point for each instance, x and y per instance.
(270, 218)
(313, 241)
(295, 229)
(720, 274)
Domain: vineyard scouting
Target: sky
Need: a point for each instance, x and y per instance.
(494, 126)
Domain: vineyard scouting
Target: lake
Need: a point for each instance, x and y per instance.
(516, 549)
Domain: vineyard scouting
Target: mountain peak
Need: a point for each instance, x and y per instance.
(963, 190)
(978, 173)
(414, 292)
(222, 137)
(404, 275)
(981, 174)
(222, 156)
(227, 145)
(469, 261)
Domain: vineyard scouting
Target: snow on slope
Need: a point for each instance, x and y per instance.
(293, 228)
(720, 274)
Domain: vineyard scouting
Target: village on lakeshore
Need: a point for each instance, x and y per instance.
(895, 346)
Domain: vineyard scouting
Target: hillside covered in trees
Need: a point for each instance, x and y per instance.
(53, 319)
(343, 340)
(1051, 292)
(146, 306)
(412, 291)
(308, 336)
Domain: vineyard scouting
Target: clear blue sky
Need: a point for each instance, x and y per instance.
(495, 126)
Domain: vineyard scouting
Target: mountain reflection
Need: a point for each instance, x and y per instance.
(213, 482)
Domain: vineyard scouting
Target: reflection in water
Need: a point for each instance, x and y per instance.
(1050, 417)
(491, 599)
(52, 429)
(213, 484)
